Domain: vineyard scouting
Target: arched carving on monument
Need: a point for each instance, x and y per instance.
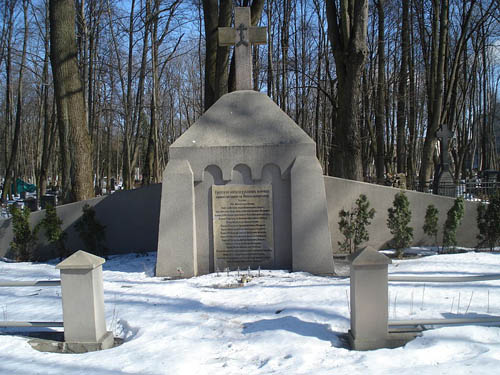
(271, 172)
(214, 173)
(241, 174)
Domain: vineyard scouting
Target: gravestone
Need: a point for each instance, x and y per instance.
(243, 187)
(445, 180)
(46, 200)
(31, 203)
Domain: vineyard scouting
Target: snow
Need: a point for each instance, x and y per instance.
(278, 323)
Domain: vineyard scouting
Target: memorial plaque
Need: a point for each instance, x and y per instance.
(243, 226)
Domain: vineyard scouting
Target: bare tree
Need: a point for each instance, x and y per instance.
(347, 27)
(401, 149)
(381, 95)
(10, 171)
(48, 121)
(70, 97)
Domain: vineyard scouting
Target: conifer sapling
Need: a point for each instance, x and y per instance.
(398, 219)
(453, 219)
(353, 224)
(91, 231)
(488, 222)
(53, 231)
(431, 222)
(25, 239)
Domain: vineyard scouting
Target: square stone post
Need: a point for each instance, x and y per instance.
(83, 303)
(369, 300)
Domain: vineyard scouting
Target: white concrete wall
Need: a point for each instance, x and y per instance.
(131, 220)
(341, 194)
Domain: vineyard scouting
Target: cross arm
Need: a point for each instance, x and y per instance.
(226, 36)
(257, 35)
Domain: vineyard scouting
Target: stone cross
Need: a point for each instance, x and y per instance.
(444, 135)
(242, 37)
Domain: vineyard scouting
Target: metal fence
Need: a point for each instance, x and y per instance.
(471, 190)
(448, 321)
(23, 284)
(443, 279)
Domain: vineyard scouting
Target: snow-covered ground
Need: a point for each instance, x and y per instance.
(279, 323)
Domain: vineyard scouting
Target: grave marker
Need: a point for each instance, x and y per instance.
(445, 180)
(31, 203)
(48, 199)
(444, 135)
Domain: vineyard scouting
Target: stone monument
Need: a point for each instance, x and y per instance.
(243, 187)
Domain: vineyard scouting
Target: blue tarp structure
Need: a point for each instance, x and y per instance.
(24, 186)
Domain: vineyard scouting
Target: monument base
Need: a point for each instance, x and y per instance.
(446, 184)
(391, 341)
(53, 346)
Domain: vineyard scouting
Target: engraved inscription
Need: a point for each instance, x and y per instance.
(243, 226)
(241, 29)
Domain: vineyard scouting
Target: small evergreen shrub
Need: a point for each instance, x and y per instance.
(91, 231)
(488, 222)
(53, 231)
(353, 224)
(453, 219)
(25, 239)
(431, 222)
(397, 222)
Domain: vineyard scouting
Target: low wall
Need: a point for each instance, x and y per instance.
(130, 216)
(341, 194)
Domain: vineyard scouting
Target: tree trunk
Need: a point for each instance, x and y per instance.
(69, 96)
(381, 91)
(210, 12)
(151, 164)
(347, 29)
(222, 60)
(47, 123)
(436, 84)
(19, 110)
(9, 16)
(412, 118)
(270, 79)
(401, 149)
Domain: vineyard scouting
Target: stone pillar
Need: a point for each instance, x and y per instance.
(369, 300)
(83, 304)
(311, 242)
(177, 253)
